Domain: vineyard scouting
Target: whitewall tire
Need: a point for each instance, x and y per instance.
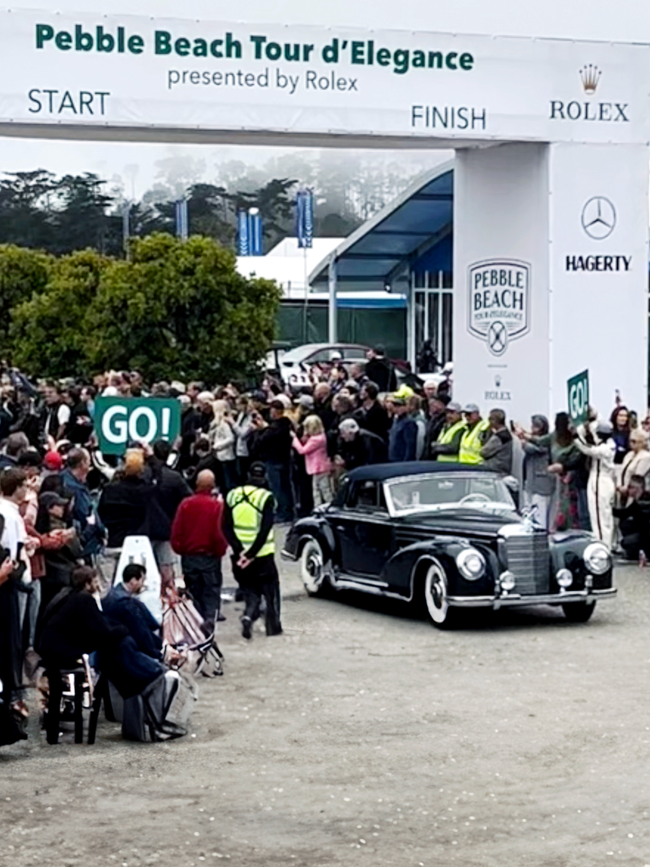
(436, 596)
(312, 568)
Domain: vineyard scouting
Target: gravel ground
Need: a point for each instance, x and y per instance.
(363, 736)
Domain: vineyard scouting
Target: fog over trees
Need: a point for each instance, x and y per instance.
(60, 214)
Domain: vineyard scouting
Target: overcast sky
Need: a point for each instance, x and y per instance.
(625, 20)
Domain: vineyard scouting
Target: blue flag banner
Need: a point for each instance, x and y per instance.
(305, 218)
(243, 241)
(255, 233)
(180, 213)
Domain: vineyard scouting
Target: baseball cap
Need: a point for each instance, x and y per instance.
(454, 407)
(604, 429)
(470, 407)
(404, 392)
(284, 399)
(257, 472)
(53, 461)
(50, 498)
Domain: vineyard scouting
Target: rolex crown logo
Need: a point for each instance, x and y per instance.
(590, 76)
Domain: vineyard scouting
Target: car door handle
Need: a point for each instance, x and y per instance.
(340, 527)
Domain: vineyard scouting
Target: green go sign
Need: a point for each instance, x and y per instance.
(122, 420)
(578, 391)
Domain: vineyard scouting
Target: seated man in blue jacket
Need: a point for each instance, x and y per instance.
(122, 606)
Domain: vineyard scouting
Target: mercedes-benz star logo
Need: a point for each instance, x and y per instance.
(598, 218)
(497, 338)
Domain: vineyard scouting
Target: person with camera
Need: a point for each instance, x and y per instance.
(275, 445)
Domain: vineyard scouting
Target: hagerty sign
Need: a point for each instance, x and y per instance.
(499, 301)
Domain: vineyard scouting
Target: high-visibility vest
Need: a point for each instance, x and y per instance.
(472, 443)
(247, 504)
(447, 435)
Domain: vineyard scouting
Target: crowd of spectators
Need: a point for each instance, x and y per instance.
(64, 508)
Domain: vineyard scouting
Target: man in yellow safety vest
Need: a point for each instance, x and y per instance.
(447, 448)
(248, 526)
(474, 437)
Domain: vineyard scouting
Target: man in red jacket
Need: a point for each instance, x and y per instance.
(198, 537)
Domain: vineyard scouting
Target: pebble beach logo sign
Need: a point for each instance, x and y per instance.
(499, 291)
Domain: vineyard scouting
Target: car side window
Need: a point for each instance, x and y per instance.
(367, 496)
(342, 496)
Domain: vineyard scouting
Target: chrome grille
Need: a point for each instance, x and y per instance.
(527, 556)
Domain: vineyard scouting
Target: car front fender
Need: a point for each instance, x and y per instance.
(312, 527)
(409, 565)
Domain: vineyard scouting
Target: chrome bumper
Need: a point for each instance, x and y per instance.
(508, 600)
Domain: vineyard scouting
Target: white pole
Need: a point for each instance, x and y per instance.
(333, 331)
(410, 323)
(305, 312)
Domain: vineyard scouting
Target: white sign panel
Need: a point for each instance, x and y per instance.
(147, 74)
(501, 305)
(599, 272)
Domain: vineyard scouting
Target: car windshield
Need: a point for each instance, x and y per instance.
(439, 491)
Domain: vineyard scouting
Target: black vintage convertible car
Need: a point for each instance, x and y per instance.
(449, 535)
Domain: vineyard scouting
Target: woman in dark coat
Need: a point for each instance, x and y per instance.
(621, 423)
(59, 561)
(123, 506)
(73, 624)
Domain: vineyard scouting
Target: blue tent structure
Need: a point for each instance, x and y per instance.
(395, 250)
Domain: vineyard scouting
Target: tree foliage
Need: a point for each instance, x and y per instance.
(22, 272)
(173, 309)
(60, 215)
(48, 333)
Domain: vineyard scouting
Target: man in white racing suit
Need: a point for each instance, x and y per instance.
(596, 441)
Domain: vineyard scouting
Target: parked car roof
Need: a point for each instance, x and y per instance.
(382, 472)
(300, 353)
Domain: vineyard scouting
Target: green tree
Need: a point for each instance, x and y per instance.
(211, 213)
(22, 273)
(49, 332)
(83, 219)
(26, 208)
(180, 309)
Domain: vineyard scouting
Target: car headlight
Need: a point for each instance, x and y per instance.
(471, 564)
(564, 578)
(597, 558)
